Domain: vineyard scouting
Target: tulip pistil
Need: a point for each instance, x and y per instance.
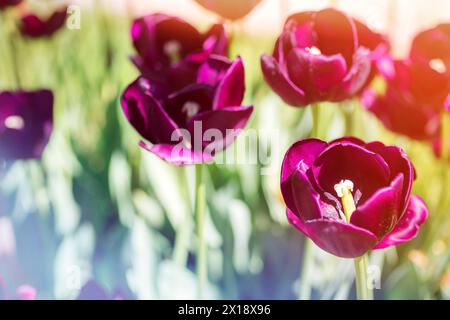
(344, 191)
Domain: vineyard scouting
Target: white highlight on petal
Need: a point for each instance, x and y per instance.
(314, 51)
(343, 188)
(173, 50)
(438, 65)
(14, 122)
(190, 109)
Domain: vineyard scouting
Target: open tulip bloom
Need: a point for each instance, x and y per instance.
(170, 50)
(26, 121)
(33, 26)
(9, 3)
(322, 56)
(350, 197)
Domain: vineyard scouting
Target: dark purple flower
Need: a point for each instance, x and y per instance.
(170, 50)
(33, 26)
(318, 57)
(25, 123)
(414, 98)
(433, 47)
(378, 177)
(190, 125)
(8, 3)
(230, 9)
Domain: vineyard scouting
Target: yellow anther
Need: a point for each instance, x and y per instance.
(344, 191)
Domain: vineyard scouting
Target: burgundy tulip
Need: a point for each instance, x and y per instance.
(230, 9)
(433, 47)
(318, 57)
(170, 50)
(33, 26)
(178, 122)
(8, 3)
(413, 100)
(25, 123)
(379, 178)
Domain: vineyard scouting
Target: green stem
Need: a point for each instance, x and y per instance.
(347, 112)
(307, 266)
(200, 204)
(11, 44)
(315, 110)
(362, 290)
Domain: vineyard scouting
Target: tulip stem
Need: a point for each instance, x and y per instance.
(315, 110)
(307, 266)
(200, 206)
(11, 43)
(362, 289)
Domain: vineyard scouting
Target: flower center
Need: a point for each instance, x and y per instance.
(173, 50)
(344, 191)
(14, 122)
(190, 109)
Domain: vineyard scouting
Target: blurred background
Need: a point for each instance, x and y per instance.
(99, 215)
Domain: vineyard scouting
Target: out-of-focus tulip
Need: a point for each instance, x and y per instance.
(230, 9)
(319, 57)
(8, 3)
(189, 125)
(413, 100)
(33, 26)
(318, 179)
(433, 47)
(26, 122)
(169, 49)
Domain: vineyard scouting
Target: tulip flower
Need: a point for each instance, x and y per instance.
(25, 124)
(350, 197)
(230, 9)
(170, 50)
(413, 101)
(433, 47)
(33, 26)
(8, 3)
(319, 57)
(181, 124)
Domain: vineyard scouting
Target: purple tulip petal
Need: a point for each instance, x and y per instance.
(340, 238)
(146, 114)
(281, 84)
(230, 91)
(381, 212)
(304, 153)
(190, 101)
(398, 162)
(213, 70)
(317, 75)
(302, 199)
(337, 163)
(357, 75)
(408, 226)
(26, 122)
(336, 33)
(177, 155)
(219, 128)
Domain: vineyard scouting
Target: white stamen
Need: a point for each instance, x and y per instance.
(343, 187)
(314, 51)
(438, 65)
(190, 109)
(14, 122)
